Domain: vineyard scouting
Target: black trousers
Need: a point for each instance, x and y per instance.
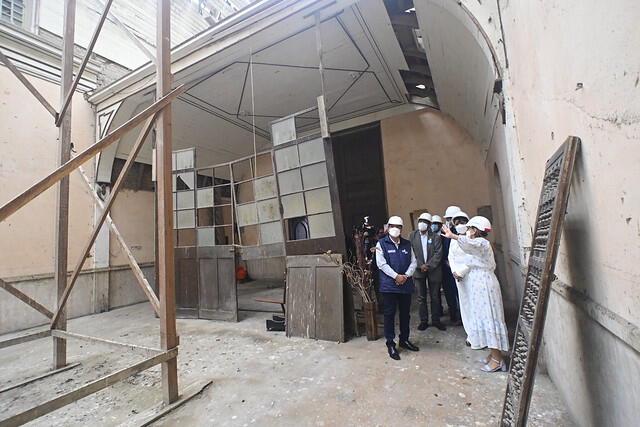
(431, 289)
(391, 302)
(450, 289)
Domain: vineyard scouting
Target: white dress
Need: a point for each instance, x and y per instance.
(458, 262)
(484, 317)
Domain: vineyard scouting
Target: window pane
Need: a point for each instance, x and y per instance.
(283, 131)
(205, 217)
(204, 178)
(244, 192)
(247, 214)
(173, 161)
(205, 236)
(187, 237)
(271, 233)
(224, 235)
(205, 198)
(186, 219)
(315, 176)
(287, 158)
(222, 194)
(311, 151)
(264, 165)
(222, 215)
(290, 181)
(321, 225)
(222, 175)
(185, 159)
(318, 201)
(185, 181)
(265, 188)
(268, 210)
(242, 170)
(249, 235)
(293, 205)
(184, 200)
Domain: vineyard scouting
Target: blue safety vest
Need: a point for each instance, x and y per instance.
(399, 259)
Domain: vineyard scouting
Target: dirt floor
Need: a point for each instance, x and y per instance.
(264, 378)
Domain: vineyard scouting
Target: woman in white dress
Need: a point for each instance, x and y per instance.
(485, 324)
(457, 259)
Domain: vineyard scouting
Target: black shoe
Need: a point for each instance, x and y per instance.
(393, 352)
(467, 343)
(439, 325)
(407, 344)
(423, 326)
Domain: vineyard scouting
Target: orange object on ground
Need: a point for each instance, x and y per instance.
(241, 272)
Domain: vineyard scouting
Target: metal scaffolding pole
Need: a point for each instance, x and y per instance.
(164, 224)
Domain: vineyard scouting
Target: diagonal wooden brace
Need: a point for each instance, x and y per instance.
(135, 268)
(25, 298)
(146, 129)
(35, 190)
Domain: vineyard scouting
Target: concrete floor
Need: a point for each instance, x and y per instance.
(263, 378)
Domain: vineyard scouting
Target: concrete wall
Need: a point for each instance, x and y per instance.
(591, 340)
(431, 162)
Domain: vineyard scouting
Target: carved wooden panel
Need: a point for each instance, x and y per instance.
(546, 238)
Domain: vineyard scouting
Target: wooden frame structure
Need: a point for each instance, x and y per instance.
(158, 114)
(544, 249)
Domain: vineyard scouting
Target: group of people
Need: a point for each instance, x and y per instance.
(452, 254)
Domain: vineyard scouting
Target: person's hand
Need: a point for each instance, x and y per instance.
(446, 232)
(400, 279)
(457, 277)
(424, 268)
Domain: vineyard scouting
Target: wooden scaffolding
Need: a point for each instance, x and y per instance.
(158, 115)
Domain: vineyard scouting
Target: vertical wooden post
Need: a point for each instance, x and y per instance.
(166, 274)
(62, 201)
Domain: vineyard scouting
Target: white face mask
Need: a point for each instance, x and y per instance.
(394, 232)
(461, 229)
(468, 234)
(422, 226)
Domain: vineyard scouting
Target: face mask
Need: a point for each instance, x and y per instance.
(394, 232)
(468, 234)
(422, 226)
(435, 227)
(461, 229)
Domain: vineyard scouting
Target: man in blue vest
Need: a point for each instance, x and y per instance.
(396, 263)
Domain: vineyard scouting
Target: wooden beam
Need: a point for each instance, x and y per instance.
(166, 269)
(135, 268)
(69, 93)
(146, 129)
(86, 390)
(65, 334)
(39, 377)
(25, 338)
(131, 36)
(12, 206)
(25, 298)
(62, 196)
(28, 85)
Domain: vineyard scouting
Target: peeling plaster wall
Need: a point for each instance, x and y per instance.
(591, 340)
(558, 45)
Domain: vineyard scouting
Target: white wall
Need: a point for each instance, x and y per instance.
(591, 339)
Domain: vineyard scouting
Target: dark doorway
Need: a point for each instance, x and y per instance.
(359, 167)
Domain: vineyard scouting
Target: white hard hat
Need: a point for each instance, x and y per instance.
(480, 222)
(451, 210)
(460, 214)
(395, 220)
(436, 218)
(426, 216)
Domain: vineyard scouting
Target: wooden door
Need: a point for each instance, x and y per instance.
(218, 298)
(186, 282)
